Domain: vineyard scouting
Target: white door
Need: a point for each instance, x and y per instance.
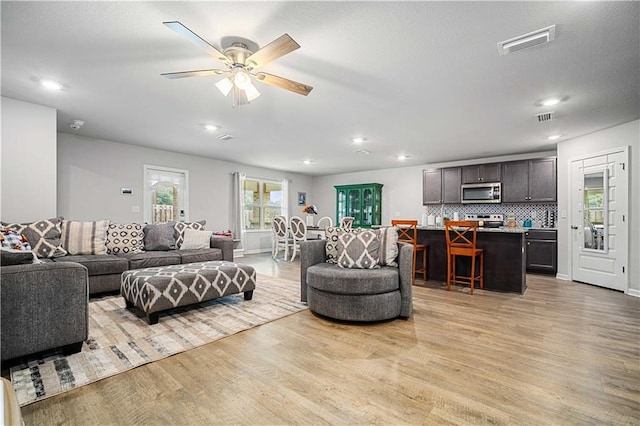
(599, 220)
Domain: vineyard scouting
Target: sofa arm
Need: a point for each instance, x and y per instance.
(312, 252)
(43, 306)
(405, 270)
(225, 244)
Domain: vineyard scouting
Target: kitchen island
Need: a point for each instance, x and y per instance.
(504, 257)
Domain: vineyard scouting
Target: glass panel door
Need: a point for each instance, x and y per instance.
(367, 206)
(595, 206)
(353, 205)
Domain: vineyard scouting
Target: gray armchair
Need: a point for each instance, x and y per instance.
(355, 294)
(44, 306)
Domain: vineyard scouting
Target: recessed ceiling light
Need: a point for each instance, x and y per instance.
(359, 139)
(554, 137)
(50, 84)
(211, 127)
(307, 162)
(550, 101)
(402, 157)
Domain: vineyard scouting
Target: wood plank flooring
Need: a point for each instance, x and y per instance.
(563, 353)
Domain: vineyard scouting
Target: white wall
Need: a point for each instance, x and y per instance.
(627, 134)
(402, 190)
(91, 173)
(28, 172)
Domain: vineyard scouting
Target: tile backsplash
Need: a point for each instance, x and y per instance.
(521, 211)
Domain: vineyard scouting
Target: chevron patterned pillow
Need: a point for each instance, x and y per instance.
(359, 250)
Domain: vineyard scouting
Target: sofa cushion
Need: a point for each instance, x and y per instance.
(332, 234)
(359, 250)
(43, 236)
(159, 237)
(127, 238)
(388, 246)
(180, 227)
(194, 239)
(331, 278)
(150, 259)
(85, 237)
(98, 264)
(201, 255)
(10, 257)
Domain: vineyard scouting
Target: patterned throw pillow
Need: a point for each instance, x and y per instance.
(359, 250)
(159, 237)
(12, 239)
(194, 239)
(333, 234)
(85, 237)
(44, 236)
(127, 238)
(181, 226)
(388, 246)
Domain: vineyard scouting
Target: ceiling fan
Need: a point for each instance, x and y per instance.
(240, 64)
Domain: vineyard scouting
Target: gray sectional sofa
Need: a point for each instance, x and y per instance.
(45, 305)
(105, 269)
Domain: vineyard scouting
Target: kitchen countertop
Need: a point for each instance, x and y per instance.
(503, 229)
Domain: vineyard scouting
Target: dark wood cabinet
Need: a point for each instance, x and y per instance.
(529, 181)
(481, 173)
(441, 186)
(542, 251)
(451, 181)
(431, 187)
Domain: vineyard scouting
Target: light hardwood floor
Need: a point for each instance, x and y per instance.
(562, 353)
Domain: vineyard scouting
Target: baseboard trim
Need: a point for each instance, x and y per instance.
(563, 277)
(258, 251)
(633, 292)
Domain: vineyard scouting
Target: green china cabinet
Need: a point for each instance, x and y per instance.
(363, 202)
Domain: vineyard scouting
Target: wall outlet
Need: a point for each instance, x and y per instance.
(135, 209)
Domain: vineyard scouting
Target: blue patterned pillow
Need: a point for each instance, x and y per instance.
(10, 238)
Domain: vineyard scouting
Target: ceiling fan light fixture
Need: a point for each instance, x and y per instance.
(251, 92)
(241, 79)
(225, 85)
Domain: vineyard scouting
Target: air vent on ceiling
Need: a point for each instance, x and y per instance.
(543, 117)
(225, 137)
(363, 152)
(534, 38)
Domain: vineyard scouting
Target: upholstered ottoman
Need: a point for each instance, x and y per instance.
(159, 289)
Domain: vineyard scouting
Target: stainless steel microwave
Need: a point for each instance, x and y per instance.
(477, 193)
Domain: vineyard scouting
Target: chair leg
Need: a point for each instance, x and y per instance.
(482, 270)
(473, 273)
(424, 263)
(449, 256)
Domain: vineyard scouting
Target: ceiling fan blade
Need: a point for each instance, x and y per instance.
(195, 39)
(277, 48)
(200, 73)
(284, 83)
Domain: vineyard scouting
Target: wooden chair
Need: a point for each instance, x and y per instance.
(325, 222)
(281, 238)
(347, 222)
(298, 231)
(408, 233)
(461, 241)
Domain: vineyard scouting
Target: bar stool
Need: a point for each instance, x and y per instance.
(461, 241)
(408, 233)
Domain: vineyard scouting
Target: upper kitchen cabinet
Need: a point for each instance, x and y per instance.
(529, 181)
(441, 186)
(481, 173)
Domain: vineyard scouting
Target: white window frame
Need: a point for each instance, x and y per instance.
(262, 205)
(148, 216)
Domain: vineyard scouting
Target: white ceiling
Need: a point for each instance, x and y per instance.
(417, 78)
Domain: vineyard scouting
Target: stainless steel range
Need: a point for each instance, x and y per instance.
(486, 220)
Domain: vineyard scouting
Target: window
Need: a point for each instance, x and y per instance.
(166, 194)
(262, 200)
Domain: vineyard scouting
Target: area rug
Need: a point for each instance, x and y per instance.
(120, 339)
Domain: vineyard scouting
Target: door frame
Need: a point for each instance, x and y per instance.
(570, 211)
